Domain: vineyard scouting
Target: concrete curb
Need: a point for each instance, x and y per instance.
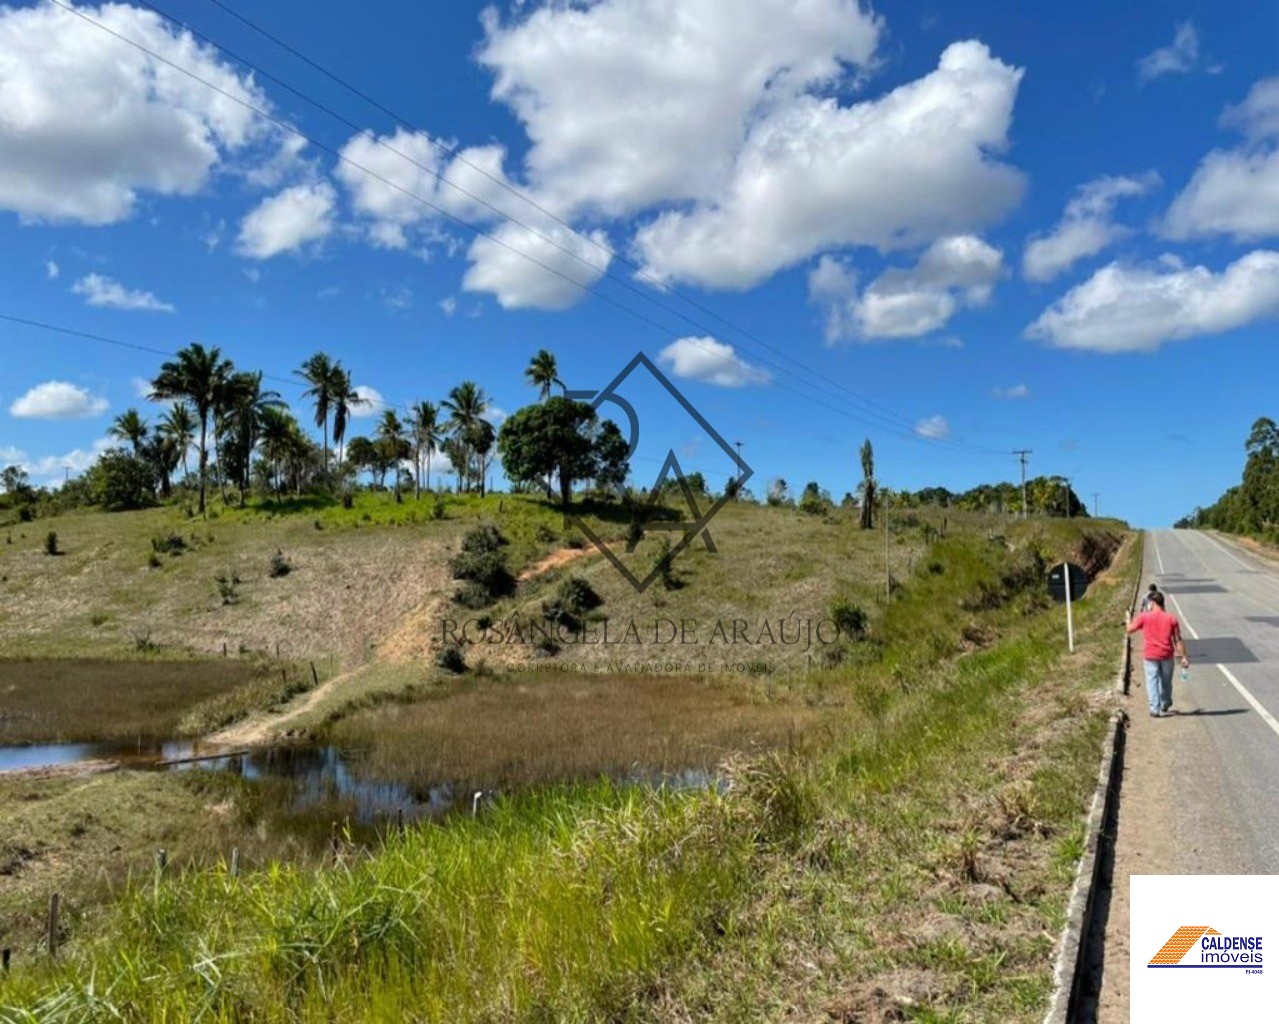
(1071, 969)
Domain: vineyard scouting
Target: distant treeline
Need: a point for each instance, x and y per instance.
(1252, 506)
(1046, 496)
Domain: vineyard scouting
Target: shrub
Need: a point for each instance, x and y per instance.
(437, 507)
(485, 537)
(25, 515)
(280, 565)
(348, 500)
(153, 560)
(664, 565)
(143, 643)
(51, 543)
(168, 544)
(450, 658)
(850, 619)
(573, 599)
(545, 534)
(227, 589)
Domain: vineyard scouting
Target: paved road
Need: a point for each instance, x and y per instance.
(1228, 601)
(1200, 789)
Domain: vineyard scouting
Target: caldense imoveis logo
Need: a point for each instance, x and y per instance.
(1198, 945)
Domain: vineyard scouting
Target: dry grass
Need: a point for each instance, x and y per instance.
(68, 700)
(547, 727)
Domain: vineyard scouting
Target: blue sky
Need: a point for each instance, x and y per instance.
(1050, 230)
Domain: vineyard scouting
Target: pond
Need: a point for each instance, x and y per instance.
(319, 775)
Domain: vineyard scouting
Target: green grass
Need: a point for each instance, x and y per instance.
(68, 700)
(540, 728)
(914, 853)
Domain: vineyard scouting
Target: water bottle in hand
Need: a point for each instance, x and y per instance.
(1185, 674)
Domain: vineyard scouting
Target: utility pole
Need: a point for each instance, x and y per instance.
(1095, 495)
(1023, 454)
(1069, 492)
(739, 455)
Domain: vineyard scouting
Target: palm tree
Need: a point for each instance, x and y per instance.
(343, 397)
(426, 437)
(275, 428)
(179, 426)
(198, 375)
(320, 372)
(245, 403)
(390, 435)
(130, 426)
(542, 372)
(466, 405)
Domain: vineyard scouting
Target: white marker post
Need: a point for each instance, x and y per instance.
(1070, 616)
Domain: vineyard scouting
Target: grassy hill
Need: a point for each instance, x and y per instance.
(894, 828)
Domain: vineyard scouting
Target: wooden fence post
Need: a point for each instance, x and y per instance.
(4, 960)
(54, 902)
(315, 676)
(235, 862)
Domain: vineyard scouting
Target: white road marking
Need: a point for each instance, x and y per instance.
(1154, 539)
(1265, 715)
(1226, 551)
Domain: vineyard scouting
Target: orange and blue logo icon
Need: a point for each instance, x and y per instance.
(1210, 948)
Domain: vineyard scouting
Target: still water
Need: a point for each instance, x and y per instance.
(318, 774)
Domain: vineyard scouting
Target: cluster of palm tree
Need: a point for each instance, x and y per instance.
(162, 447)
(254, 438)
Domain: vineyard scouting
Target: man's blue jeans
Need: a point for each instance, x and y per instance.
(1159, 683)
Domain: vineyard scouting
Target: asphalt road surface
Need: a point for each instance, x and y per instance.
(1228, 712)
(1200, 789)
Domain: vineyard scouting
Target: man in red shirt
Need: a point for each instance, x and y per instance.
(1161, 640)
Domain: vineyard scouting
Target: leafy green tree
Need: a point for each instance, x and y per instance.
(15, 481)
(244, 404)
(555, 438)
(612, 457)
(120, 481)
(543, 373)
(811, 500)
(197, 375)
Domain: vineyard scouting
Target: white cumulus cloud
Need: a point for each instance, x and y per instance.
(1085, 228)
(935, 428)
(288, 220)
(893, 172)
(629, 103)
(371, 402)
(1137, 309)
(712, 362)
(51, 270)
(1177, 57)
(566, 266)
(954, 271)
(1235, 192)
(58, 400)
(109, 294)
(90, 122)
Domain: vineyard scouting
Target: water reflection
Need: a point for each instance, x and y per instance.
(317, 775)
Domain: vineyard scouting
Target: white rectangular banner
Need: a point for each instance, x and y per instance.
(1204, 947)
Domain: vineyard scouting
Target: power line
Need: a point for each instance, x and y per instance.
(586, 289)
(885, 421)
(455, 153)
(875, 415)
